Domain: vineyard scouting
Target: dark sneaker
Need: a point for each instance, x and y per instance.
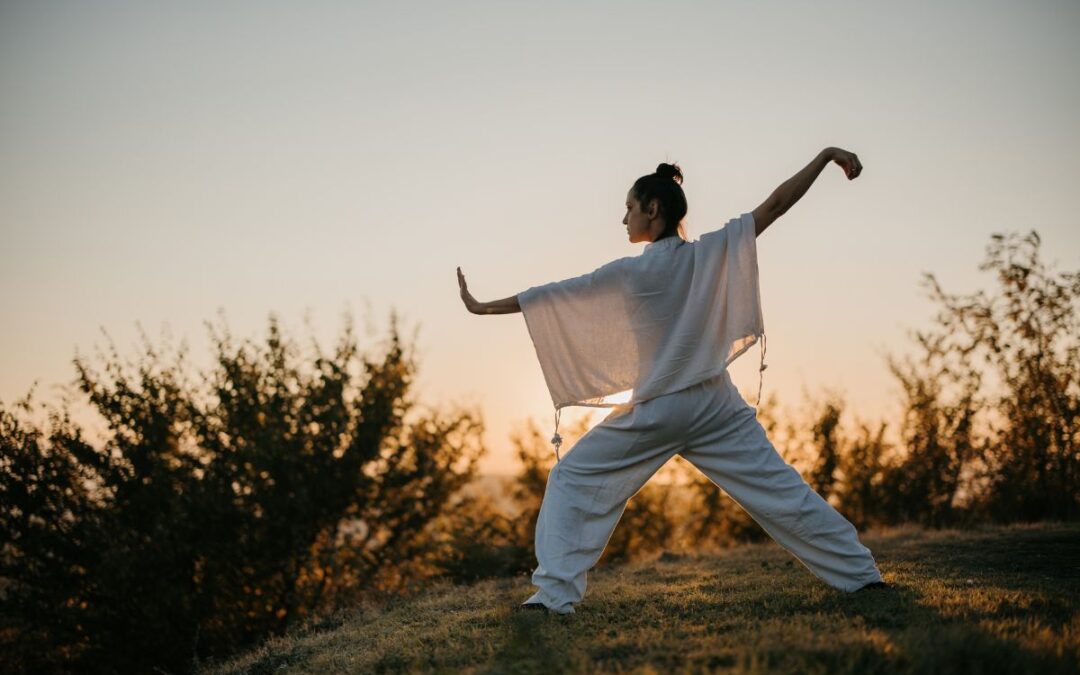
(534, 606)
(872, 585)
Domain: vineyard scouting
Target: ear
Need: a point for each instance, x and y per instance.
(654, 208)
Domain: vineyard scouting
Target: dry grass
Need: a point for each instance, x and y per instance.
(989, 600)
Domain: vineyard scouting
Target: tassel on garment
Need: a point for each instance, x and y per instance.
(556, 440)
(761, 371)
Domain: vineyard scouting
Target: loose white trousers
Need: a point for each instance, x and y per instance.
(713, 428)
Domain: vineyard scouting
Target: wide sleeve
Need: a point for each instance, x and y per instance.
(580, 328)
(731, 255)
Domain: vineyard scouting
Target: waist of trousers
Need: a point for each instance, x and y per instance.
(719, 380)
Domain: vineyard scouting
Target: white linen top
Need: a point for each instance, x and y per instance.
(658, 322)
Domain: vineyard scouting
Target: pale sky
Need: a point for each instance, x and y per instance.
(158, 164)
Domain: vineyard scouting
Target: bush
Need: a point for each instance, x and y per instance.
(221, 513)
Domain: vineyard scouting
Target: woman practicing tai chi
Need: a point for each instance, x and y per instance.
(666, 323)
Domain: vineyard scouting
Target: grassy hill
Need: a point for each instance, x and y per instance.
(989, 600)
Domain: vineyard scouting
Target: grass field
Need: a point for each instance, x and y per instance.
(989, 600)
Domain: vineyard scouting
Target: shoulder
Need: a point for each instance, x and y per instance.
(734, 227)
(617, 265)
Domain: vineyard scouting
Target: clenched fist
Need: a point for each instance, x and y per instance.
(848, 161)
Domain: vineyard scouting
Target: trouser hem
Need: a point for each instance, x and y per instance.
(566, 608)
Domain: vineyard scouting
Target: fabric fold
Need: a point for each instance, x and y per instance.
(673, 316)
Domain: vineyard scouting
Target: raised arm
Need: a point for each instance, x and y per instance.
(792, 190)
(504, 306)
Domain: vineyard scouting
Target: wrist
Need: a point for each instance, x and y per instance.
(828, 153)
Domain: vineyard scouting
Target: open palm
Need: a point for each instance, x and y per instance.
(471, 303)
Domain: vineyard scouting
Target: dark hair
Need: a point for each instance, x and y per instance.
(666, 187)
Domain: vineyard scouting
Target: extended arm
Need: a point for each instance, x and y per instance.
(504, 306)
(792, 190)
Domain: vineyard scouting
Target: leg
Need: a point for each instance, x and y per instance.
(584, 499)
(739, 458)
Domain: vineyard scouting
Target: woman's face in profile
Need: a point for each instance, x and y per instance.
(637, 222)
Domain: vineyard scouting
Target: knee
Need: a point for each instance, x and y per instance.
(576, 466)
(565, 474)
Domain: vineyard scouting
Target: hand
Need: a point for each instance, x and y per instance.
(848, 161)
(471, 303)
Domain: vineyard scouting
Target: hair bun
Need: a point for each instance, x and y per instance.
(670, 171)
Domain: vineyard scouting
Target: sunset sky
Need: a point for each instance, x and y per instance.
(159, 163)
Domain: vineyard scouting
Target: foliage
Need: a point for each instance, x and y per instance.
(1029, 334)
(221, 512)
(482, 541)
(968, 454)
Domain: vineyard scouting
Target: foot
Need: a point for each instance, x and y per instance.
(534, 606)
(872, 585)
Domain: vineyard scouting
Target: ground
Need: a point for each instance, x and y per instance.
(986, 600)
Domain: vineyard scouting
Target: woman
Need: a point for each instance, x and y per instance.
(666, 324)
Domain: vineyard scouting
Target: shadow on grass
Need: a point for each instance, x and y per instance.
(956, 604)
(987, 602)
